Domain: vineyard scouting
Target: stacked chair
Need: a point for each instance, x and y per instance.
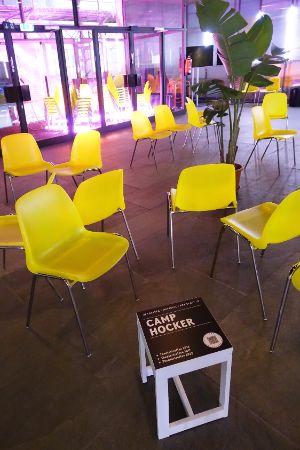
(164, 121)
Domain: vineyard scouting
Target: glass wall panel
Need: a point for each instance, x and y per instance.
(38, 68)
(100, 12)
(58, 12)
(9, 120)
(155, 13)
(114, 51)
(79, 51)
(174, 70)
(147, 64)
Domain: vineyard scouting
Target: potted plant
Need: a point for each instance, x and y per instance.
(244, 57)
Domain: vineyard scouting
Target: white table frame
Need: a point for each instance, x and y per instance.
(164, 427)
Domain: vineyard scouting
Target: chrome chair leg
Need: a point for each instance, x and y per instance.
(46, 176)
(258, 282)
(192, 141)
(134, 150)
(238, 248)
(130, 235)
(3, 258)
(216, 251)
(75, 182)
(172, 238)
(278, 162)
(281, 308)
(185, 138)
(153, 153)
(131, 278)
(251, 154)
(294, 152)
(168, 213)
(5, 186)
(87, 351)
(206, 128)
(83, 286)
(12, 187)
(200, 132)
(55, 290)
(266, 149)
(172, 147)
(33, 283)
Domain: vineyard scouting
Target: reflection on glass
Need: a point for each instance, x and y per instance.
(113, 48)
(9, 120)
(105, 12)
(174, 70)
(79, 52)
(45, 112)
(147, 63)
(157, 13)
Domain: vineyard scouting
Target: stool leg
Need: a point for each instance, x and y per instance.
(142, 353)
(225, 385)
(162, 405)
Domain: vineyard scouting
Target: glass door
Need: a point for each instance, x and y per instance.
(173, 59)
(9, 119)
(114, 60)
(79, 52)
(38, 69)
(147, 65)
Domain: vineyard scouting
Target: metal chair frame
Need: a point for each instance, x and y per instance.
(252, 249)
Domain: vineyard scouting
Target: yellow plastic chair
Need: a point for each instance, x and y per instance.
(57, 244)
(10, 235)
(197, 121)
(207, 187)
(294, 277)
(189, 100)
(251, 90)
(142, 129)
(21, 157)
(263, 131)
(144, 99)
(264, 224)
(274, 87)
(275, 106)
(85, 156)
(100, 197)
(164, 121)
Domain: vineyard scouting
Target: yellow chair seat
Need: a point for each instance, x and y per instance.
(159, 134)
(284, 134)
(29, 170)
(10, 234)
(83, 258)
(250, 223)
(67, 169)
(181, 127)
(277, 116)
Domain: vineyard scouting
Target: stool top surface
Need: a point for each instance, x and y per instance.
(181, 331)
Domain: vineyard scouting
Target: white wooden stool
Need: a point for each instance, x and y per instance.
(178, 339)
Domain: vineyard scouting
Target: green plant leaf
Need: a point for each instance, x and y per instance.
(260, 34)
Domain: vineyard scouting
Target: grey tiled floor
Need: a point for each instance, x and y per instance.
(53, 398)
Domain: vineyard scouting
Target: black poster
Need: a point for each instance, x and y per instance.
(181, 331)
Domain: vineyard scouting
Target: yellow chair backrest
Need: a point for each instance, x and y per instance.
(47, 217)
(275, 86)
(193, 115)
(206, 187)
(112, 87)
(119, 80)
(250, 88)
(147, 92)
(275, 104)
(74, 97)
(85, 91)
(284, 223)
(20, 150)
(86, 149)
(261, 123)
(141, 126)
(164, 119)
(99, 197)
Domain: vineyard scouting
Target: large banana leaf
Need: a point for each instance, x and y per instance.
(236, 48)
(216, 87)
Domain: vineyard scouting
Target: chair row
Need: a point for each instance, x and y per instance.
(51, 229)
(167, 127)
(212, 187)
(22, 156)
